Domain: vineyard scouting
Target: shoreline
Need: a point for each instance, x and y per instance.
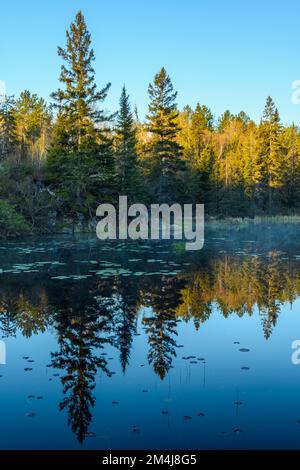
(67, 228)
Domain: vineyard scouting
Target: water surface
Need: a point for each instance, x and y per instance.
(144, 345)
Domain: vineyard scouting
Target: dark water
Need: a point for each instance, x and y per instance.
(144, 345)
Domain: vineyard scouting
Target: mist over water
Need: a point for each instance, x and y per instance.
(145, 345)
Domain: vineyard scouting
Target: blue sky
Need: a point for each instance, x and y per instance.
(225, 54)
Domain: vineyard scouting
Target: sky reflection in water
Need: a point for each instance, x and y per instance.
(142, 345)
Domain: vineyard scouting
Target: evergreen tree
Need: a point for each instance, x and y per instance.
(126, 156)
(33, 124)
(8, 133)
(184, 136)
(201, 177)
(290, 192)
(165, 152)
(81, 156)
(224, 120)
(269, 160)
(202, 121)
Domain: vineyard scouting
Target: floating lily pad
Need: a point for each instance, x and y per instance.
(237, 430)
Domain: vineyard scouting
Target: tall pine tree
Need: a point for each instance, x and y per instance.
(81, 156)
(165, 152)
(126, 156)
(268, 164)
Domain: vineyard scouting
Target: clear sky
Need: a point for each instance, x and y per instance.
(222, 53)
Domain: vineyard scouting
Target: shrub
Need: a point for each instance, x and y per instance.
(12, 224)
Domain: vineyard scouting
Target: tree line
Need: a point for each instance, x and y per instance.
(59, 161)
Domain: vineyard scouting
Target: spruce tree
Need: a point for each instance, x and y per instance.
(268, 165)
(164, 149)
(81, 156)
(126, 156)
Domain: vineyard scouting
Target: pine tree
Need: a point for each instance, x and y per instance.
(224, 120)
(79, 100)
(269, 160)
(126, 156)
(184, 136)
(165, 152)
(8, 133)
(202, 121)
(81, 156)
(33, 124)
(290, 144)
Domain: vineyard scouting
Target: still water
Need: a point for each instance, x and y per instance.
(144, 345)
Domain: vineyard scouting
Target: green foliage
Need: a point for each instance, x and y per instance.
(164, 151)
(80, 160)
(22, 185)
(33, 125)
(129, 178)
(12, 224)
(8, 132)
(67, 162)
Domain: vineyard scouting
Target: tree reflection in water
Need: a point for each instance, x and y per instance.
(93, 314)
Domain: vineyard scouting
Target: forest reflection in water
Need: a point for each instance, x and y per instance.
(92, 299)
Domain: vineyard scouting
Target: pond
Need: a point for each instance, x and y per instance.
(128, 345)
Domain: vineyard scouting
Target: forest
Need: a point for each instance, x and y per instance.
(60, 160)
